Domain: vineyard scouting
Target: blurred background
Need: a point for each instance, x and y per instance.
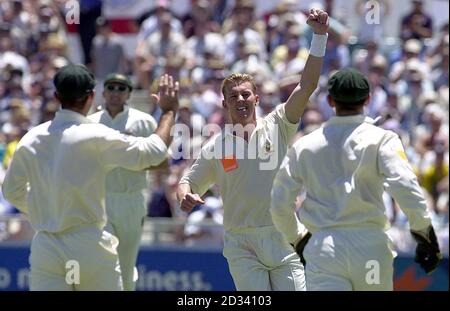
(401, 45)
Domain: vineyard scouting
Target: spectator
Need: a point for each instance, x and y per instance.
(152, 23)
(416, 24)
(90, 10)
(107, 54)
(434, 178)
(157, 49)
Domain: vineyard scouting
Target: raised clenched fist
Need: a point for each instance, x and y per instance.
(318, 20)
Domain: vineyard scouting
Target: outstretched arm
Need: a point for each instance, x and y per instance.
(296, 104)
(402, 184)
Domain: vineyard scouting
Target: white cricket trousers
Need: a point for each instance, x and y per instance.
(355, 259)
(260, 259)
(83, 258)
(126, 214)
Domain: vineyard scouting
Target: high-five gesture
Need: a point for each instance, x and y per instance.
(168, 92)
(168, 102)
(318, 20)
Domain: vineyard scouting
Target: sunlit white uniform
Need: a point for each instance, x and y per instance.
(258, 256)
(126, 204)
(344, 167)
(57, 176)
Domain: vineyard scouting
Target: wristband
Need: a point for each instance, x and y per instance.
(318, 45)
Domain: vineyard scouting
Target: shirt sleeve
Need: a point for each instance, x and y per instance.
(286, 187)
(133, 153)
(200, 176)
(287, 128)
(401, 182)
(15, 186)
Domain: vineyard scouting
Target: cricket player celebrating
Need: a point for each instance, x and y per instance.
(344, 167)
(257, 255)
(57, 177)
(126, 204)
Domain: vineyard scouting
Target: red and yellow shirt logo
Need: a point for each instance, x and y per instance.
(229, 163)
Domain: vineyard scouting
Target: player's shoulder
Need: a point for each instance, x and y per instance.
(278, 111)
(312, 141)
(96, 116)
(40, 127)
(36, 131)
(375, 131)
(140, 115)
(388, 135)
(211, 143)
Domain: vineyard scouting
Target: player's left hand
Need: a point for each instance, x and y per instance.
(168, 90)
(318, 20)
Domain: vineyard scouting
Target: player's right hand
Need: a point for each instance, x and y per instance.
(189, 201)
(168, 93)
(318, 20)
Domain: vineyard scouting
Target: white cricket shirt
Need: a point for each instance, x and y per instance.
(344, 167)
(244, 185)
(57, 174)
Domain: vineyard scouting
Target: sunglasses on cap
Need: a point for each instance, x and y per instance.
(118, 88)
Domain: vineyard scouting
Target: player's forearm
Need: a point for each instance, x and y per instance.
(282, 210)
(285, 218)
(299, 98)
(401, 182)
(166, 122)
(313, 66)
(411, 200)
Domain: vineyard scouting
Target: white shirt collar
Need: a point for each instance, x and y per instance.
(227, 129)
(119, 115)
(359, 118)
(70, 115)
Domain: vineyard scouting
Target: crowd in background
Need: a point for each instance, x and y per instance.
(408, 76)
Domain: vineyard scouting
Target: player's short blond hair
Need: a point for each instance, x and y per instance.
(236, 79)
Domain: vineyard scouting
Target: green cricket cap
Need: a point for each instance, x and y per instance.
(348, 86)
(73, 82)
(118, 78)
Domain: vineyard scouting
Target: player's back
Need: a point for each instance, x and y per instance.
(65, 174)
(338, 165)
